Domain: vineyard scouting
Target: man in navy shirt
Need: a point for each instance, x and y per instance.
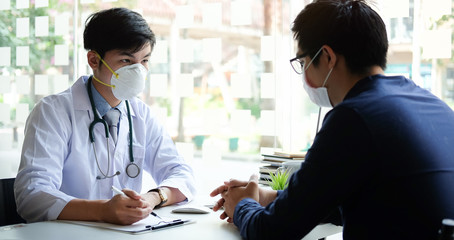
(384, 156)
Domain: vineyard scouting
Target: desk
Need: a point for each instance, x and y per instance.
(207, 226)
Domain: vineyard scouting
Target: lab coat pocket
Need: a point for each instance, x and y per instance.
(139, 155)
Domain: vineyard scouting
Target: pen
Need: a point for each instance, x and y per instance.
(176, 222)
(117, 191)
(156, 215)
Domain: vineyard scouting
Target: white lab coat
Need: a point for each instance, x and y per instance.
(58, 162)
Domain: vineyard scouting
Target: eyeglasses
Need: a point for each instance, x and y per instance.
(298, 63)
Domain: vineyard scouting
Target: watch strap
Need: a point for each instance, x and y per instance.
(161, 194)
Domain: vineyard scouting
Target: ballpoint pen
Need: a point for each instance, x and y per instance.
(117, 191)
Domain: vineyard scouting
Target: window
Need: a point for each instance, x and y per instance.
(219, 74)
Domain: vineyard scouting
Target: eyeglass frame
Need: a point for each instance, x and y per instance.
(302, 62)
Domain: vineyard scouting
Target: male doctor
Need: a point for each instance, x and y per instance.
(70, 159)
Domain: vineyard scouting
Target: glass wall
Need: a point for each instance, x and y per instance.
(220, 79)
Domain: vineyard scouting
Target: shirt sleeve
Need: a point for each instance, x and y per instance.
(39, 178)
(336, 166)
(168, 168)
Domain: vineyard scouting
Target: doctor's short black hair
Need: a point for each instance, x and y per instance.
(350, 27)
(117, 28)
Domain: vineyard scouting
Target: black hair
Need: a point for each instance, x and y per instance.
(350, 27)
(117, 28)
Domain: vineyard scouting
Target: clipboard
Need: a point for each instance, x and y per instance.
(149, 224)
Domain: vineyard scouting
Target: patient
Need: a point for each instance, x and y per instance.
(384, 156)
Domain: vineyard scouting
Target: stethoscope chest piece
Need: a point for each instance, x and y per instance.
(132, 170)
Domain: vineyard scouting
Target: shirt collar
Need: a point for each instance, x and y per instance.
(101, 104)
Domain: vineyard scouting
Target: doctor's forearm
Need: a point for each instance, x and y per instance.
(84, 210)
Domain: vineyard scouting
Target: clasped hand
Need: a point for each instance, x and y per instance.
(127, 209)
(232, 192)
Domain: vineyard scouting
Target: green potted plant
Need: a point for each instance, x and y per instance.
(279, 180)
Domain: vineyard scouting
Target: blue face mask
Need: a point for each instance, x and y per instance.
(318, 95)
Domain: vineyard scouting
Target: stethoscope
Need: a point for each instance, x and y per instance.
(132, 170)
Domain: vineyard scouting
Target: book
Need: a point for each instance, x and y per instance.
(268, 169)
(291, 154)
(265, 176)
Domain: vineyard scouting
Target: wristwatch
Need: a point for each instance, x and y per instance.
(161, 194)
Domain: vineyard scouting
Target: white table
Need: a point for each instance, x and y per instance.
(207, 226)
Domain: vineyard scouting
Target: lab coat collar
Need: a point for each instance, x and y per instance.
(81, 100)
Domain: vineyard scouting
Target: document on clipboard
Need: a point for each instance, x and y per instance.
(149, 224)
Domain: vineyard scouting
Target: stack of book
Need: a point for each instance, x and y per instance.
(274, 161)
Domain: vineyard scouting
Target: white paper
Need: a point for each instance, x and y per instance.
(61, 55)
(22, 56)
(60, 83)
(22, 4)
(5, 116)
(267, 48)
(240, 122)
(437, 44)
(159, 54)
(241, 12)
(41, 84)
(23, 84)
(184, 16)
(240, 85)
(212, 14)
(185, 85)
(212, 50)
(41, 3)
(5, 4)
(267, 123)
(22, 112)
(62, 24)
(5, 56)
(158, 85)
(185, 50)
(42, 26)
(267, 85)
(133, 228)
(5, 84)
(22, 27)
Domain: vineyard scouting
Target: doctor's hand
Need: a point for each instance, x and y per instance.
(126, 209)
(233, 192)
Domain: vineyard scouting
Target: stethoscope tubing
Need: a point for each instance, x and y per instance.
(97, 119)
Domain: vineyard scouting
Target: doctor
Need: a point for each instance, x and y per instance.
(73, 153)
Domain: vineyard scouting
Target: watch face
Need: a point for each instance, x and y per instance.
(163, 195)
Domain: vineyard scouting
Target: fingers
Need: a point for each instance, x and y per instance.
(219, 190)
(254, 178)
(218, 204)
(132, 194)
(223, 216)
(235, 183)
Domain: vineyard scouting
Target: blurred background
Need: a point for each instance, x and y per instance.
(220, 78)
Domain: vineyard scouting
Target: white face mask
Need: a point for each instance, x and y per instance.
(318, 95)
(127, 82)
